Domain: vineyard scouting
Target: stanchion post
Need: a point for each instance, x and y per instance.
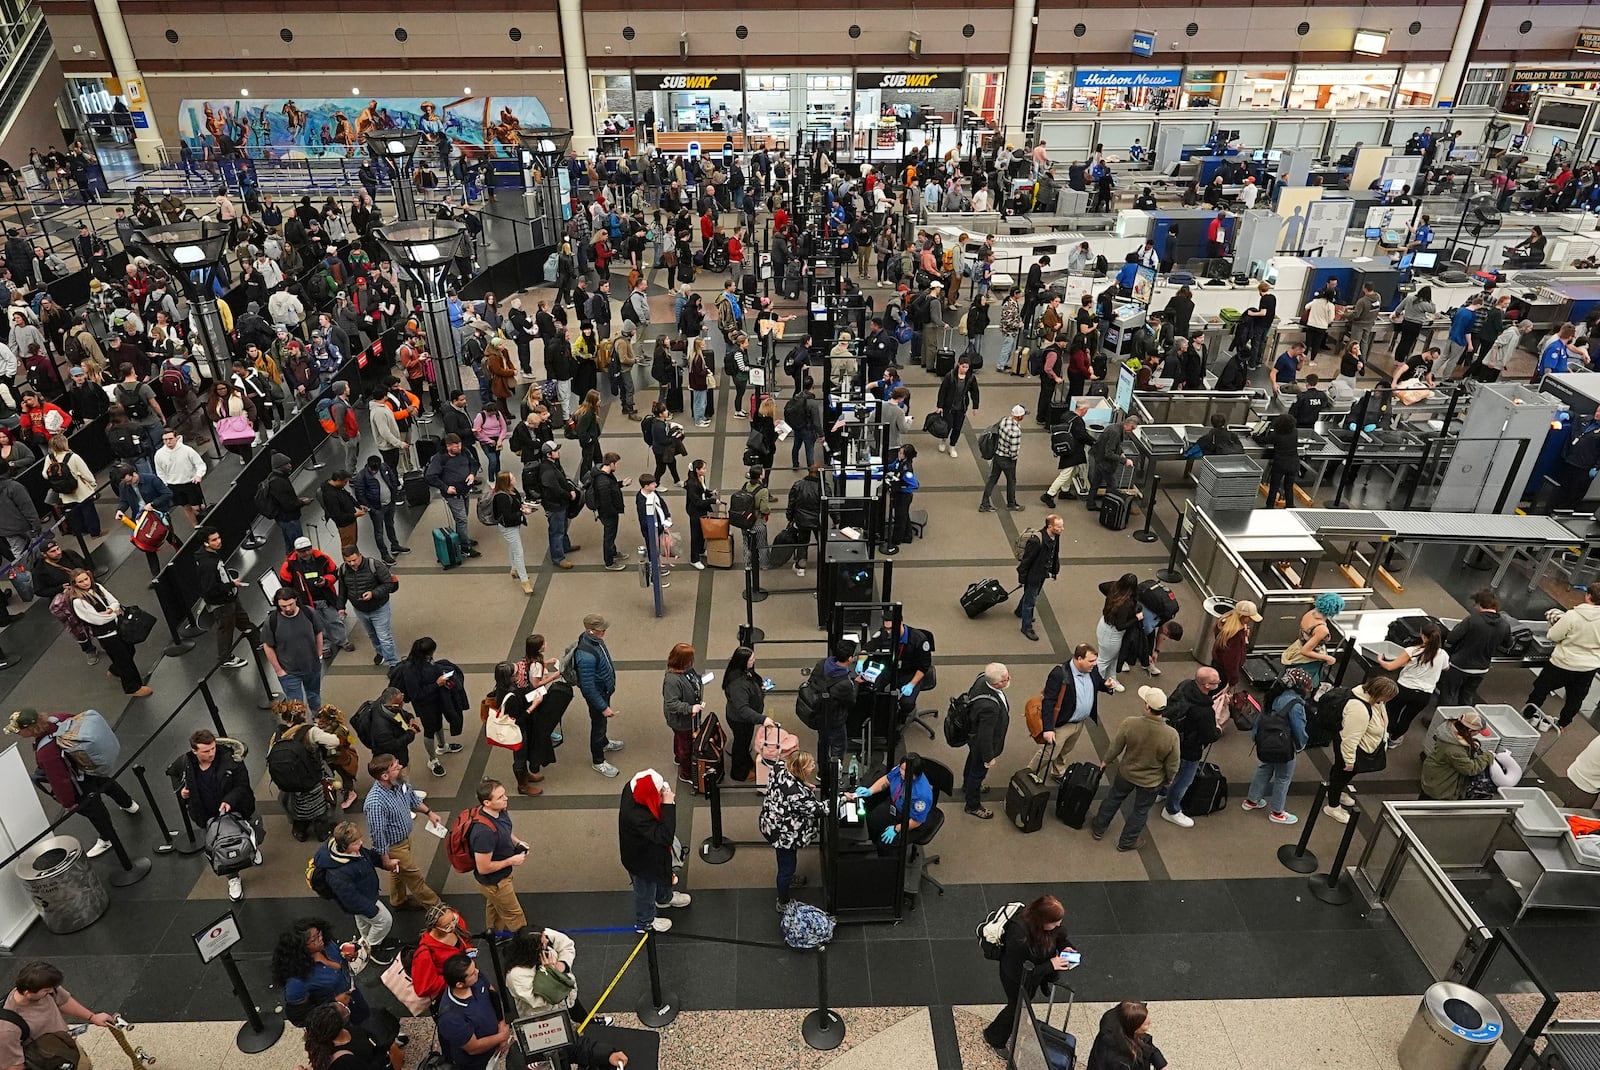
(715, 849)
(823, 1029)
(1170, 574)
(212, 708)
(259, 1031)
(1334, 889)
(1144, 534)
(506, 1006)
(166, 844)
(260, 659)
(1297, 857)
(659, 1009)
(133, 870)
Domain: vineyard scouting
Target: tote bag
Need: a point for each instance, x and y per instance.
(235, 431)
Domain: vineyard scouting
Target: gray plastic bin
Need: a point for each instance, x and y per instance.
(61, 883)
(1455, 1028)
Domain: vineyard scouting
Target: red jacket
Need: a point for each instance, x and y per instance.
(427, 965)
(316, 580)
(33, 420)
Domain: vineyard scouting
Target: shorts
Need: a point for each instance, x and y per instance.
(188, 494)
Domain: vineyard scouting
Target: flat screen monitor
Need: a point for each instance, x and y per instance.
(1144, 285)
(1274, 155)
(1258, 156)
(1423, 260)
(1124, 399)
(1374, 233)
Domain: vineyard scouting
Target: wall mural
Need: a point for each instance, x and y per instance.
(289, 128)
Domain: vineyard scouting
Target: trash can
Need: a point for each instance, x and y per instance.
(1455, 1029)
(1215, 608)
(62, 885)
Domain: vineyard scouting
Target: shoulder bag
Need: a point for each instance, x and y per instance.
(1371, 761)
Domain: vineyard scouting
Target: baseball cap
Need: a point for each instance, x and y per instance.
(936, 286)
(1248, 609)
(550, 447)
(78, 372)
(1153, 697)
(302, 543)
(26, 717)
(1018, 410)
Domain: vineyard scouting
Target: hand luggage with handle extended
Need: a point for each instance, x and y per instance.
(1078, 785)
(447, 547)
(1059, 1047)
(415, 490)
(1208, 793)
(1114, 510)
(983, 596)
(1028, 794)
(426, 446)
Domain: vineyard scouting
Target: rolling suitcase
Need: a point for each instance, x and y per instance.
(1076, 794)
(674, 399)
(719, 552)
(983, 596)
(415, 490)
(1261, 671)
(1028, 794)
(426, 446)
(1208, 793)
(1114, 510)
(447, 547)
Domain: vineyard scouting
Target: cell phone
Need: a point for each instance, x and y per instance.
(522, 849)
(1072, 959)
(449, 674)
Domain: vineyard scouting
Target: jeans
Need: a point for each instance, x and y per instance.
(1030, 596)
(648, 895)
(305, 686)
(1109, 640)
(1279, 774)
(513, 538)
(1180, 784)
(375, 930)
(491, 463)
(597, 736)
(788, 860)
(972, 776)
(333, 625)
(379, 625)
(289, 528)
(1008, 346)
(458, 513)
(608, 538)
(559, 543)
(697, 403)
(1001, 466)
(808, 439)
(383, 532)
(1143, 800)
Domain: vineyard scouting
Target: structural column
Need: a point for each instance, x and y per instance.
(575, 56)
(1014, 106)
(1455, 68)
(146, 141)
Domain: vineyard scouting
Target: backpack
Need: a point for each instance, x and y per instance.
(264, 502)
(89, 742)
(317, 878)
(742, 509)
(137, 407)
(989, 442)
(455, 841)
(172, 384)
(1274, 737)
(958, 722)
(361, 721)
(1159, 599)
(58, 1051)
(1020, 547)
(797, 412)
(292, 764)
(569, 665)
(808, 701)
(485, 508)
(902, 330)
(591, 493)
(1036, 361)
(1102, 266)
(805, 927)
(1328, 720)
(991, 930)
(59, 475)
(230, 844)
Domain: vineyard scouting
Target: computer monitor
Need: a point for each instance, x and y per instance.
(1274, 155)
(1424, 260)
(1259, 156)
(1374, 233)
(1144, 285)
(1124, 399)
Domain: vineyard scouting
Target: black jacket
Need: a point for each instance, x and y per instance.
(379, 730)
(558, 359)
(211, 573)
(989, 714)
(805, 504)
(1284, 449)
(1472, 643)
(1060, 677)
(644, 842)
(364, 484)
(746, 702)
(456, 422)
(957, 395)
(1190, 712)
(1111, 1050)
(281, 487)
(230, 784)
(1308, 407)
(1018, 952)
(550, 485)
(1232, 376)
(608, 493)
(338, 504)
(1040, 561)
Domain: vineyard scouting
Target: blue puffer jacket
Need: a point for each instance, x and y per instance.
(597, 676)
(353, 879)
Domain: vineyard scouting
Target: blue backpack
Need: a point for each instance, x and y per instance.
(805, 927)
(902, 329)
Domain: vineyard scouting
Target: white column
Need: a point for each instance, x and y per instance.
(1014, 105)
(1455, 68)
(575, 55)
(146, 142)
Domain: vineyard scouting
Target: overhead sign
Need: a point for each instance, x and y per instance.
(908, 79)
(1588, 41)
(1555, 74)
(670, 82)
(1144, 43)
(1130, 78)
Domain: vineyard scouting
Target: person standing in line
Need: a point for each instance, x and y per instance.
(791, 813)
(1573, 662)
(73, 788)
(340, 507)
(745, 698)
(99, 609)
(608, 498)
(1460, 343)
(1105, 457)
(990, 716)
(1070, 700)
(472, 1030)
(216, 782)
(647, 822)
(366, 586)
(1033, 949)
(1420, 667)
(496, 853)
(1041, 560)
(350, 869)
(389, 806)
(219, 590)
(1148, 750)
(597, 680)
(312, 576)
(1279, 734)
(377, 489)
(1004, 462)
(1231, 642)
(1472, 645)
(682, 702)
(1362, 731)
(1191, 712)
(292, 642)
(182, 470)
(453, 471)
(1123, 1041)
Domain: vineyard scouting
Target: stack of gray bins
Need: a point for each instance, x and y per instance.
(1227, 484)
(1514, 733)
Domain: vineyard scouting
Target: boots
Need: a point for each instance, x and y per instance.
(526, 786)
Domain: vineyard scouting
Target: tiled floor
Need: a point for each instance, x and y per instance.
(1200, 920)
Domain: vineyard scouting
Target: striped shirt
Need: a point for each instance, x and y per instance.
(389, 813)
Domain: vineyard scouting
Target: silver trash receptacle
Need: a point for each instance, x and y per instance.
(68, 893)
(1214, 608)
(1455, 1028)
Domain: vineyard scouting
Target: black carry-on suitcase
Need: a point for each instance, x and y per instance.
(1208, 792)
(1115, 508)
(983, 596)
(675, 399)
(944, 358)
(1028, 794)
(1076, 794)
(1262, 671)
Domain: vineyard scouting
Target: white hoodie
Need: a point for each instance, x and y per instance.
(1576, 635)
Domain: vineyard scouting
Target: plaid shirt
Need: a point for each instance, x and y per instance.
(1010, 439)
(389, 813)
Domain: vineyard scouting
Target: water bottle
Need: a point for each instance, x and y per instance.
(855, 773)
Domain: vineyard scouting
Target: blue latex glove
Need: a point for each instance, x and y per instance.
(1594, 472)
(1370, 428)
(863, 793)
(888, 835)
(905, 692)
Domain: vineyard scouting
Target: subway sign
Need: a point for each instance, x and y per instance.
(691, 81)
(908, 79)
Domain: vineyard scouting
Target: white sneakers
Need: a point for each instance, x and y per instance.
(606, 769)
(1118, 686)
(131, 808)
(660, 925)
(1181, 819)
(679, 899)
(953, 452)
(1337, 813)
(944, 447)
(436, 767)
(100, 847)
(235, 889)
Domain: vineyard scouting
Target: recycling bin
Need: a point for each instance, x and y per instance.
(61, 883)
(1214, 608)
(1455, 1028)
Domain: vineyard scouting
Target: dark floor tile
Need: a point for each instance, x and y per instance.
(603, 917)
(1160, 966)
(1273, 904)
(128, 927)
(1087, 903)
(697, 973)
(902, 972)
(849, 977)
(769, 978)
(1174, 907)
(1378, 962)
(956, 913)
(962, 974)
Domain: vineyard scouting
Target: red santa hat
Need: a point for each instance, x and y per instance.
(647, 789)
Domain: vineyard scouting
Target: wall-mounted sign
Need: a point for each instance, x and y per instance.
(1371, 42)
(1129, 78)
(1555, 74)
(908, 79)
(687, 82)
(1588, 41)
(141, 121)
(1144, 43)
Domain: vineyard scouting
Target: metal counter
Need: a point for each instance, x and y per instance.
(1547, 874)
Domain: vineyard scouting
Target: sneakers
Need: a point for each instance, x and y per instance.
(1152, 670)
(1392, 743)
(699, 566)
(616, 566)
(436, 767)
(953, 453)
(1282, 817)
(985, 508)
(1181, 819)
(235, 889)
(614, 745)
(235, 663)
(678, 900)
(100, 847)
(452, 748)
(800, 570)
(1248, 805)
(131, 808)
(944, 447)
(1337, 813)
(659, 925)
(1347, 799)
(1118, 686)
(1016, 507)
(606, 769)
(1048, 501)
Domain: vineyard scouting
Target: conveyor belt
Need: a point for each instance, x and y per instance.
(1316, 520)
(1474, 527)
(1578, 1051)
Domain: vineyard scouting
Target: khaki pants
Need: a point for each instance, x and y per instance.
(407, 883)
(1066, 739)
(501, 911)
(1074, 478)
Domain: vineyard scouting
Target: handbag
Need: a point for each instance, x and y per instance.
(501, 731)
(714, 528)
(667, 547)
(1033, 712)
(21, 580)
(1371, 761)
(553, 986)
(398, 982)
(235, 431)
(135, 624)
(1293, 656)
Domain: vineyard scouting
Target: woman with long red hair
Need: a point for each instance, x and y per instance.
(1032, 935)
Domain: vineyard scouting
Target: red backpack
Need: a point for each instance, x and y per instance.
(456, 845)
